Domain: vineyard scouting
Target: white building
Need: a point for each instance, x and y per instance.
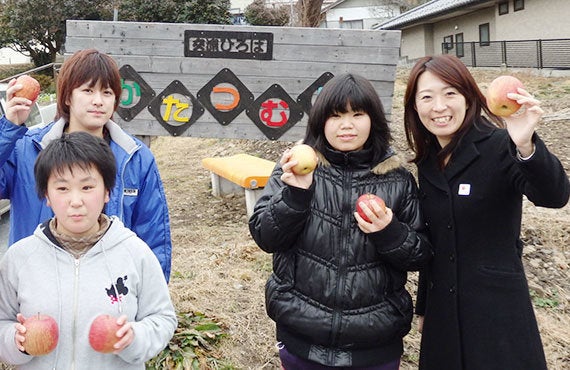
(9, 56)
(358, 14)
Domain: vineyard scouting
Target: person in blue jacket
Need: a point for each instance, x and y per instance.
(88, 93)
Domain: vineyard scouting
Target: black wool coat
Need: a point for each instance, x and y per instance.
(474, 293)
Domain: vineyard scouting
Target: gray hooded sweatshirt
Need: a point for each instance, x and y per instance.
(118, 275)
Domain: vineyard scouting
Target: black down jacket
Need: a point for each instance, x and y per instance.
(337, 294)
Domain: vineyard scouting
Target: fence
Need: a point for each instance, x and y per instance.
(553, 53)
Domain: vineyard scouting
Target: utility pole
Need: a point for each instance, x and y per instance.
(116, 10)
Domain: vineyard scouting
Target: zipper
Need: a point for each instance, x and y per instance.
(120, 207)
(75, 298)
(342, 270)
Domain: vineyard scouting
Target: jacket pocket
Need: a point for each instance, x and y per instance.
(284, 265)
(501, 272)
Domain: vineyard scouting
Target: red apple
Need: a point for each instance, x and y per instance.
(41, 335)
(30, 89)
(366, 199)
(497, 99)
(306, 159)
(103, 333)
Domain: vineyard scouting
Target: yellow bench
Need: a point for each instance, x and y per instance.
(240, 172)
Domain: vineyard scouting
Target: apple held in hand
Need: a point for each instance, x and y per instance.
(30, 89)
(103, 333)
(366, 199)
(306, 159)
(497, 99)
(42, 334)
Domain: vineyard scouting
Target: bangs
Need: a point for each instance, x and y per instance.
(349, 96)
(107, 76)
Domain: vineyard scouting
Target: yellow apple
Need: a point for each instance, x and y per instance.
(306, 159)
(497, 99)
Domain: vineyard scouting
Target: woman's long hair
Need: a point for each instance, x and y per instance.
(452, 71)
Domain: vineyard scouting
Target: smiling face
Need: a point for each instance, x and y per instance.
(77, 197)
(440, 107)
(90, 107)
(348, 131)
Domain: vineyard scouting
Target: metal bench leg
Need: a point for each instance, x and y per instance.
(251, 197)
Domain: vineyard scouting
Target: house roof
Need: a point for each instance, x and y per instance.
(432, 11)
(327, 7)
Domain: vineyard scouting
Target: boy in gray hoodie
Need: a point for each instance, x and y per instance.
(81, 264)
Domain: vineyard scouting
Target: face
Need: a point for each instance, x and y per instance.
(90, 108)
(77, 198)
(348, 131)
(441, 107)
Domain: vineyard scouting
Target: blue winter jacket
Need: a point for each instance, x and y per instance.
(138, 198)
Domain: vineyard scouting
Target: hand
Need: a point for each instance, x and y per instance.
(521, 125)
(19, 336)
(126, 334)
(379, 218)
(17, 109)
(291, 179)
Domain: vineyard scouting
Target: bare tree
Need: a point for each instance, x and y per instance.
(309, 12)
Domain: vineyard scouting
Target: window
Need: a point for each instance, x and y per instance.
(484, 35)
(459, 51)
(448, 43)
(504, 8)
(518, 5)
(355, 24)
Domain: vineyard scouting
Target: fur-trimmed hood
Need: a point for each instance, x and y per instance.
(391, 161)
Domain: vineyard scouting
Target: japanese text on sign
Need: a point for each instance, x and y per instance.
(229, 45)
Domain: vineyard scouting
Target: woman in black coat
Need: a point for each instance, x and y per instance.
(473, 299)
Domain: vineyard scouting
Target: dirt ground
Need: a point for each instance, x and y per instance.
(218, 269)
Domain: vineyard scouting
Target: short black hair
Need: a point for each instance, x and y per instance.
(75, 149)
(337, 95)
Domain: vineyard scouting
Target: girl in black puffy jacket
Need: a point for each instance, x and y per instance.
(337, 291)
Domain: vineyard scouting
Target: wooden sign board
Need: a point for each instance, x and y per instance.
(231, 81)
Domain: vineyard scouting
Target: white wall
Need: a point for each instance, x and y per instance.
(538, 20)
(353, 11)
(9, 56)
(535, 21)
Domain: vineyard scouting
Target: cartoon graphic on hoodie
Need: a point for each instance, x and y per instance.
(118, 290)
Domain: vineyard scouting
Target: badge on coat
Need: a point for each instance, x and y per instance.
(464, 189)
(130, 192)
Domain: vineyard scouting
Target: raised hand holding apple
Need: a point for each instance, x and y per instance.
(22, 92)
(298, 164)
(505, 97)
